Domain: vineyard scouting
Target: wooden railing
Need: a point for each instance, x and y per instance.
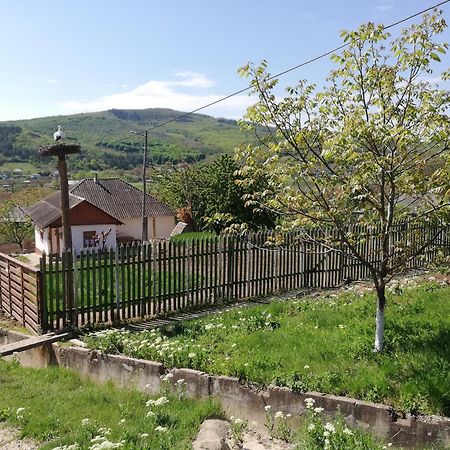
(21, 292)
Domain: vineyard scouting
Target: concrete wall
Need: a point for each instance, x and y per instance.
(236, 399)
(248, 403)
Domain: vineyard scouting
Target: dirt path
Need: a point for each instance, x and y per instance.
(10, 441)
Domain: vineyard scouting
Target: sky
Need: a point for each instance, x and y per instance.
(65, 57)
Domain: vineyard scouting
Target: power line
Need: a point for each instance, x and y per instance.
(284, 72)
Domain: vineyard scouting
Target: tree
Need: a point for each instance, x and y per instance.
(371, 147)
(15, 226)
(212, 195)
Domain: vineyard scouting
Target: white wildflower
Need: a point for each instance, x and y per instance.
(191, 355)
(107, 445)
(160, 429)
(326, 433)
(330, 427)
(166, 377)
(121, 421)
(160, 401)
(144, 435)
(309, 402)
(180, 381)
(150, 414)
(318, 410)
(267, 408)
(311, 427)
(85, 422)
(347, 431)
(279, 414)
(306, 367)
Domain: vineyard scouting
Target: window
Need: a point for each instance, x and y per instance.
(89, 239)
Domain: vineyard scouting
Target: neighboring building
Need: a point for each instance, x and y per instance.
(98, 205)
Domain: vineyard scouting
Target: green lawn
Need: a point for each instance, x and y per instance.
(322, 344)
(193, 236)
(61, 409)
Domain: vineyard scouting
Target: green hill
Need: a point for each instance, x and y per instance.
(106, 141)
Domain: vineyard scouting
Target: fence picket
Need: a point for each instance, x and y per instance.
(141, 280)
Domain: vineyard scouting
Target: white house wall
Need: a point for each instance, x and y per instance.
(164, 226)
(132, 228)
(78, 230)
(42, 244)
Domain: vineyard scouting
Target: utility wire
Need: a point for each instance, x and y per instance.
(284, 72)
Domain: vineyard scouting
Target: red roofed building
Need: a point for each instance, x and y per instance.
(97, 205)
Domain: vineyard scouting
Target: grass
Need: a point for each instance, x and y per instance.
(193, 236)
(317, 344)
(57, 400)
(97, 285)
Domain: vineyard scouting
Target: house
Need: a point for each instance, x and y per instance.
(95, 206)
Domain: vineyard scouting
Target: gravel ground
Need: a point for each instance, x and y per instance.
(10, 441)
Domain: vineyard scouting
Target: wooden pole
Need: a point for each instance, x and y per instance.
(144, 193)
(67, 234)
(67, 237)
(61, 150)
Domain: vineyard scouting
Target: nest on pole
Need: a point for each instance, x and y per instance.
(59, 149)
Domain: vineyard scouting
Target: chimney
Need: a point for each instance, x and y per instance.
(95, 177)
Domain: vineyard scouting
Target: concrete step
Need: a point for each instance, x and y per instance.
(33, 342)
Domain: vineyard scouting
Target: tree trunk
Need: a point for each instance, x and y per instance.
(379, 329)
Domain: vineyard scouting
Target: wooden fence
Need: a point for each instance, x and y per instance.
(151, 279)
(21, 292)
(148, 280)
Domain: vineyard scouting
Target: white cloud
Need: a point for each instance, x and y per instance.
(307, 16)
(383, 7)
(166, 94)
(52, 81)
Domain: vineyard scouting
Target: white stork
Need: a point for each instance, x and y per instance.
(59, 134)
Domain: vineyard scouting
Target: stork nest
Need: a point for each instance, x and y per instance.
(58, 149)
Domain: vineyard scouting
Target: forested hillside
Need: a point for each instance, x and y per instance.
(106, 141)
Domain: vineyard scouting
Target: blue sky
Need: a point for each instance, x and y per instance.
(63, 57)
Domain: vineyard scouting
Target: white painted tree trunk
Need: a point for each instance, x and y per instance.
(379, 329)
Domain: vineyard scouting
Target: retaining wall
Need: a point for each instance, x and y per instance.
(238, 400)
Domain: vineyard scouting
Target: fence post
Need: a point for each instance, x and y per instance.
(117, 281)
(75, 288)
(41, 295)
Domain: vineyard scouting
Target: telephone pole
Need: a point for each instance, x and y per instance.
(144, 183)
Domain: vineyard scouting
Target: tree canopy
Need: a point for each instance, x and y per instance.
(210, 193)
(371, 147)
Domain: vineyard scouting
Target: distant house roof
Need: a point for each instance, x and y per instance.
(115, 197)
(46, 211)
(119, 199)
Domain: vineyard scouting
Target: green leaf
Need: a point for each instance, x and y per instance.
(435, 57)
